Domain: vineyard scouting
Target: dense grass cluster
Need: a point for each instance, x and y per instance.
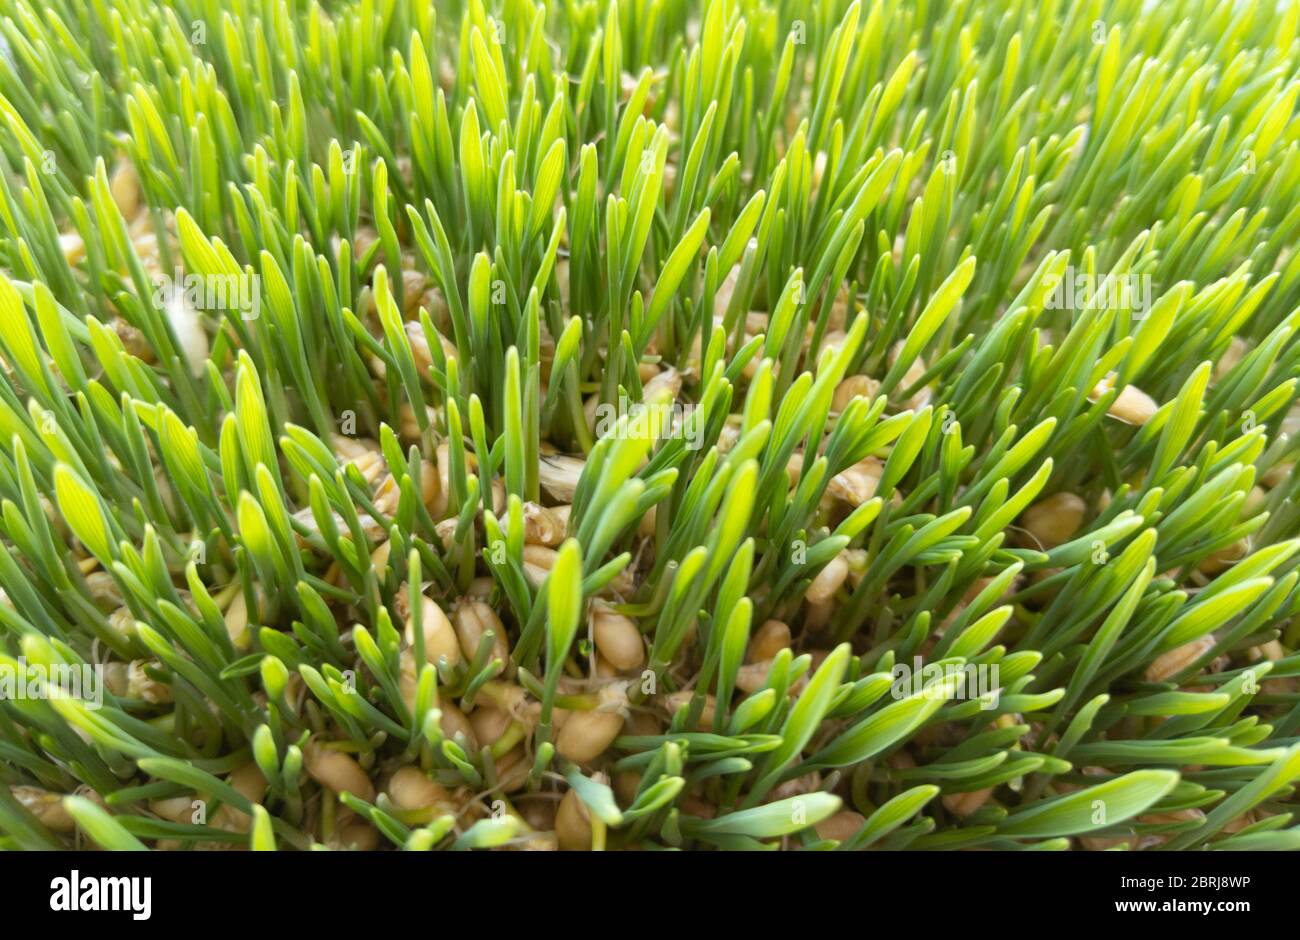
(537, 424)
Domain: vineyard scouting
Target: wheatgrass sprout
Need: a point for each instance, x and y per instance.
(684, 423)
